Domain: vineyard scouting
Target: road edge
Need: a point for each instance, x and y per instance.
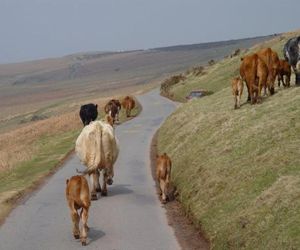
(188, 235)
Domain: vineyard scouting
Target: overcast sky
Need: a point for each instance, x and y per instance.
(32, 29)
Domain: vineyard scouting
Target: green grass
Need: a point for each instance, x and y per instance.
(237, 171)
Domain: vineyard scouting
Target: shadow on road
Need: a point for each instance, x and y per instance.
(94, 235)
(119, 190)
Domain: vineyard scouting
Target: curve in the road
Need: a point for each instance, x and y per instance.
(130, 218)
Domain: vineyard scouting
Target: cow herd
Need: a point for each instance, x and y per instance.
(97, 148)
(260, 70)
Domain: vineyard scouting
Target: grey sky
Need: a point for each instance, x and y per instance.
(33, 29)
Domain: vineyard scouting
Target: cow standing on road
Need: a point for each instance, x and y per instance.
(163, 174)
(88, 113)
(78, 197)
(128, 104)
(113, 108)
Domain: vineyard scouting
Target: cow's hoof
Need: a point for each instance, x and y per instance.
(76, 236)
(94, 197)
(104, 193)
(164, 201)
(98, 190)
(83, 243)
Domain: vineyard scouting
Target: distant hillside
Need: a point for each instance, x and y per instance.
(31, 86)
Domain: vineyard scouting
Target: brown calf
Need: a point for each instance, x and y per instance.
(163, 174)
(78, 197)
(237, 91)
(284, 70)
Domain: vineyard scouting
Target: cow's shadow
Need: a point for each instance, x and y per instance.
(119, 190)
(94, 235)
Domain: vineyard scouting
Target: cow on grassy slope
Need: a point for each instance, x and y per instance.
(237, 91)
(284, 73)
(271, 59)
(291, 52)
(255, 73)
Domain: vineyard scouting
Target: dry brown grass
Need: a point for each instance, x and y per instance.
(19, 145)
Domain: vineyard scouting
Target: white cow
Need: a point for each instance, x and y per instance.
(97, 148)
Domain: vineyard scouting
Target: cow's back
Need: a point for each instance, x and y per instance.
(96, 145)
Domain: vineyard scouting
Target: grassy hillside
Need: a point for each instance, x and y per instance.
(237, 171)
(216, 77)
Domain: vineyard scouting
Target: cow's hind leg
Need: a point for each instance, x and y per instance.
(75, 220)
(85, 228)
(162, 184)
(94, 182)
(104, 185)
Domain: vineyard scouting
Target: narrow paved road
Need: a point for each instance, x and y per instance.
(130, 218)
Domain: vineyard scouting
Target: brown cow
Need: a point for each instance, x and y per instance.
(78, 197)
(237, 91)
(271, 59)
(163, 174)
(113, 108)
(255, 73)
(284, 70)
(128, 104)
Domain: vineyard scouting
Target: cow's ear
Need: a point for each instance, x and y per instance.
(96, 105)
(67, 181)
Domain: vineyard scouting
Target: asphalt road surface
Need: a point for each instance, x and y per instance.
(130, 218)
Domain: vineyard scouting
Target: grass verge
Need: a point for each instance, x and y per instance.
(238, 171)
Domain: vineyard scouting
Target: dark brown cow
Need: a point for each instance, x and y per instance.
(78, 197)
(255, 73)
(128, 104)
(163, 174)
(284, 71)
(271, 59)
(113, 108)
(237, 91)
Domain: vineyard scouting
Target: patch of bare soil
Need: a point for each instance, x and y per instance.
(189, 237)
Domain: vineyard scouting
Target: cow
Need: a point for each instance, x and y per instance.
(78, 197)
(163, 174)
(291, 52)
(88, 113)
(97, 148)
(255, 73)
(271, 59)
(113, 108)
(284, 71)
(237, 91)
(128, 104)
